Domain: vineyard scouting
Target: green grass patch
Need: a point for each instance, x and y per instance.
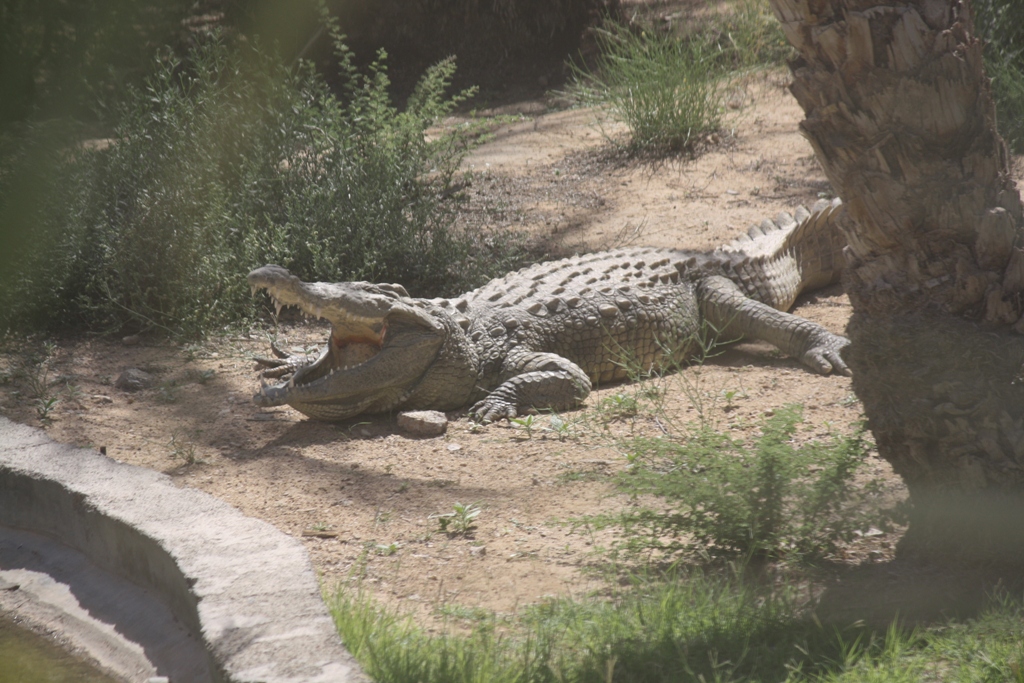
(677, 630)
(988, 649)
(680, 629)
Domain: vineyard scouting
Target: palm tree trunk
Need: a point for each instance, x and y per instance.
(901, 117)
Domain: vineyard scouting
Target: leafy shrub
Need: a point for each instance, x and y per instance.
(222, 163)
(1001, 24)
(1008, 91)
(770, 500)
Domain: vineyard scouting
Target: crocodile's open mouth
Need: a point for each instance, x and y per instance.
(348, 347)
(381, 343)
(352, 350)
(344, 352)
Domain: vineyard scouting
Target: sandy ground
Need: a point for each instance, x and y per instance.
(362, 494)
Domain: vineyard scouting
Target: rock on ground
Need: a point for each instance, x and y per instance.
(423, 422)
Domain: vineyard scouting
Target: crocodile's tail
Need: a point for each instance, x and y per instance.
(792, 254)
(817, 243)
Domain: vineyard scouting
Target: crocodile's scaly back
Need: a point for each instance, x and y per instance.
(773, 263)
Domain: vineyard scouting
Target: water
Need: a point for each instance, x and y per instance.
(26, 657)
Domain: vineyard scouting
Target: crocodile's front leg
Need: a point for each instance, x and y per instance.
(535, 381)
(735, 315)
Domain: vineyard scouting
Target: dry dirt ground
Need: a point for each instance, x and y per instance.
(363, 494)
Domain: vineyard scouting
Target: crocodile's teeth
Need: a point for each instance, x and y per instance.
(253, 289)
(278, 306)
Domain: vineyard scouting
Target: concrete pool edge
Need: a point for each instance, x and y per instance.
(245, 590)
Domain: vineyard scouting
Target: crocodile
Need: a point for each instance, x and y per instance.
(540, 338)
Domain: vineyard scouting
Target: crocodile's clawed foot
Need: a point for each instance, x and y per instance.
(824, 356)
(281, 366)
(273, 372)
(280, 358)
(489, 410)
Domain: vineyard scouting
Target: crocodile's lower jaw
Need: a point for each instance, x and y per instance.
(332, 412)
(341, 355)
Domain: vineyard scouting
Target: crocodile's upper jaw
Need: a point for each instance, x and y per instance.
(381, 345)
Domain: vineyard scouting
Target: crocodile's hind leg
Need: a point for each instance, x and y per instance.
(735, 315)
(536, 381)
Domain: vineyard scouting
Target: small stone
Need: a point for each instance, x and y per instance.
(312, 533)
(423, 422)
(478, 550)
(131, 340)
(134, 379)
(452, 447)
(100, 398)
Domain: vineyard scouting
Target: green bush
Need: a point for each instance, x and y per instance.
(1008, 92)
(1001, 24)
(221, 163)
(720, 497)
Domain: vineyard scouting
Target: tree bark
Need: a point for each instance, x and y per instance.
(901, 117)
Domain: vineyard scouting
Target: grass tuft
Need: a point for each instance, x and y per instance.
(667, 87)
(663, 88)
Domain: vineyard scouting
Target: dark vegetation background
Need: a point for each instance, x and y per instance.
(152, 152)
(62, 58)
